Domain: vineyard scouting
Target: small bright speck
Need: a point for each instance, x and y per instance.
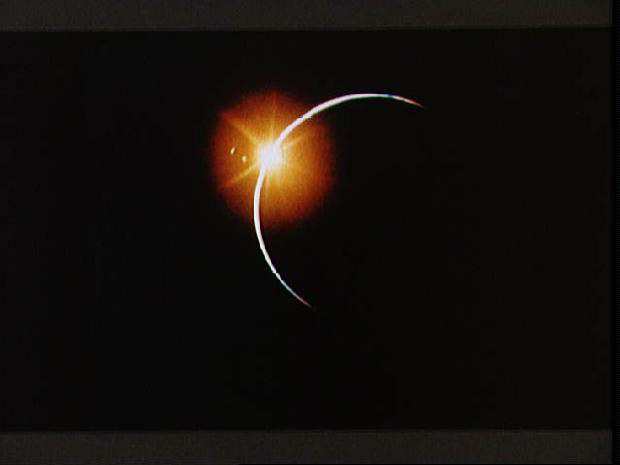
(232, 150)
(244, 159)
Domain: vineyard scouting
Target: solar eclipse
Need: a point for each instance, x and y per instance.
(281, 157)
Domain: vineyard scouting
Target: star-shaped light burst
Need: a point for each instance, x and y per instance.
(298, 173)
(270, 156)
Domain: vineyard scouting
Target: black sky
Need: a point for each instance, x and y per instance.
(461, 262)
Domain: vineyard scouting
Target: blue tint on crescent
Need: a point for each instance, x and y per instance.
(278, 143)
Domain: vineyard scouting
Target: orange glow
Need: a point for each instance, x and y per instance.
(299, 173)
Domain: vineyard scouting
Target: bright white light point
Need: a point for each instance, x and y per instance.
(232, 151)
(270, 156)
(244, 159)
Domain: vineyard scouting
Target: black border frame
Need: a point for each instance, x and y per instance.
(615, 235)
(326, 446)
(307, 447)
(288, 15)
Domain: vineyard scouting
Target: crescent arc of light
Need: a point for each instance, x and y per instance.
(278, 144)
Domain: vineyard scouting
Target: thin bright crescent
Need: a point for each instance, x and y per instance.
(278, 143)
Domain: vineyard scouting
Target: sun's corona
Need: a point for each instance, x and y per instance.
(298, 171)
